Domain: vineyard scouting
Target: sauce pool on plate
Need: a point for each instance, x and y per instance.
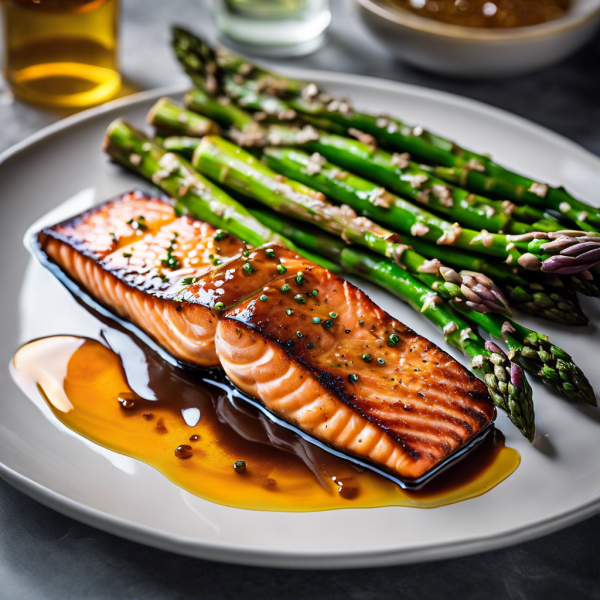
(212, 443)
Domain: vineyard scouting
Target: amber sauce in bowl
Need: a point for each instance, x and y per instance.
(194, 431)
(488, 13)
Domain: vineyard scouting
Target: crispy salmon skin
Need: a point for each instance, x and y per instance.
(311, 347)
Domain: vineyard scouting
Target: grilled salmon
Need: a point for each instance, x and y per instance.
(313, 348)
(139, 259)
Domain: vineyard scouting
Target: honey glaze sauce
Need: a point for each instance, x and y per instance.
(496, 14)
(212, 443)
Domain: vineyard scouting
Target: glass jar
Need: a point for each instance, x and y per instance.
(61, 53)
(275, 28)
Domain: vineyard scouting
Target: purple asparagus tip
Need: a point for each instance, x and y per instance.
(494, 348)
(573, 254)
(516, 374)
(482, 292)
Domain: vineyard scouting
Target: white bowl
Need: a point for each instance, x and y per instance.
(479, 53)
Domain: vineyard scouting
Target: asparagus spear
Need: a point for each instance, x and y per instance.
(395, 172)
(235, 168)
(171, 118)
(230, 115)
(418, 183)
(195, 193)
(528, 249)
(475, 171)
(563, 252)
(180, 144)
(537, 355)
(541, 295)
(504, 379)
(545, 297)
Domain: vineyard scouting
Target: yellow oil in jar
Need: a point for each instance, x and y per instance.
(61, 53)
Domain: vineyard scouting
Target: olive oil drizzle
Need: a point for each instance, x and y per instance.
(143, 411)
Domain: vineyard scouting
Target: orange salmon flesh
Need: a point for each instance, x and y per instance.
(311, 347)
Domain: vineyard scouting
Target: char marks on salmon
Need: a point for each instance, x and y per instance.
(313, 348)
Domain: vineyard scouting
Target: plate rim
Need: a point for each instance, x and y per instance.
(226, 552)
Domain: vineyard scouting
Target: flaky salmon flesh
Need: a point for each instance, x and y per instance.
(311, 347)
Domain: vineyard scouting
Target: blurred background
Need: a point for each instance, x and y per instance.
(364, 37)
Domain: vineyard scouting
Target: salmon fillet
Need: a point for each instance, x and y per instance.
(341, 369)
(314, 349)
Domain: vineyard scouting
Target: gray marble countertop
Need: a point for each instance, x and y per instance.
(46, 555)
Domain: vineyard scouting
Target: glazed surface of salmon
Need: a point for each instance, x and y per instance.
(310, 346)
(135, 256)
(323, 356)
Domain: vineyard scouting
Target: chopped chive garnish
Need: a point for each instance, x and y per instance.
(127, 254)
(248, 268)
(381, 361)
(393, 340)
(316, 320)
(264, 297)
(281, 269)
(219, 305)
(139, 224)
(315, 292)
(300, 298)
(289, 312)
(353, 378)
(172, 262)
(366, 357)
(270, 252)
(220, 235)
(217, 262)
(189, 280)
(328, 323)
(300, 279)
(298, 334)
(246, 253)
(285, 288)
(333, 315)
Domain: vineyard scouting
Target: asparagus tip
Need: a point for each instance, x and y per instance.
(509, 389)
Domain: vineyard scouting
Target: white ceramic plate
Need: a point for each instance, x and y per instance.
(558, 482)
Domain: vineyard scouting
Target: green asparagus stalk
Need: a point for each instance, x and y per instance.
(536, 354)
(180, 144)
(186, 145)
(236, 169)
(473, 170)
(230, 115)
(395, 172)
(172, 119)
(195, 193)
(504, 379)
(417, 183)
(243, 128)
(562, 252)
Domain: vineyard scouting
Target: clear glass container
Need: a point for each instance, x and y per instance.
(61, 53)
(275, 28)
